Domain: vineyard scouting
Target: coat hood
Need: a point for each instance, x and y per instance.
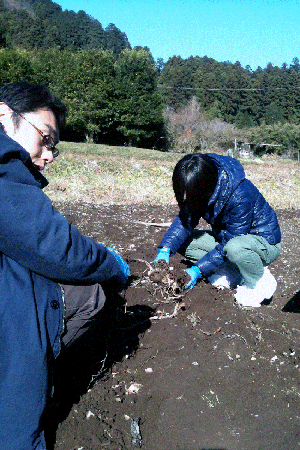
(12, 152)
(230, 175)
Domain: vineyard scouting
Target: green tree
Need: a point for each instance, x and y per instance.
(244, 119)
(15, 65)
(85, 82)
(115, 39)
(138, 106)
(280, 138)
(207, 79)
(273, 113)
(175, 83)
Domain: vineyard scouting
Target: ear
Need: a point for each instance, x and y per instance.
(5, 110)
(6, 119)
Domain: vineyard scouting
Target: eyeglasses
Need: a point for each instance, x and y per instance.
(47, 140)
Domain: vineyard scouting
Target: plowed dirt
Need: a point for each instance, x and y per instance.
(198, 371)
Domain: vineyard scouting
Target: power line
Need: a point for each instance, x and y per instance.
(228, 89)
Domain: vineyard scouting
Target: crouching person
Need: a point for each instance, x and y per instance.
(245, 235)
(42, 259)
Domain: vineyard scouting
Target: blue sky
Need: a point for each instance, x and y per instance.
(254, 32)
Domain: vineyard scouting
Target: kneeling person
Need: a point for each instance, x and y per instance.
(245, 235)
(42, 259)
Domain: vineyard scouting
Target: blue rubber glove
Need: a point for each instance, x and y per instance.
(123, 266)
(195, 275)
(162, 255)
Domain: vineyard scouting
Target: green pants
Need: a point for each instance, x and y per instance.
(248, 254)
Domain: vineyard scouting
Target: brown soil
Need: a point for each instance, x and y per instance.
(198, 371)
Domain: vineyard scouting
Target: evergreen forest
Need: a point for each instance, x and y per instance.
(120, 95)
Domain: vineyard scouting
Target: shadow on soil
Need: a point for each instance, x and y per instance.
(293, 305)
(114, 335)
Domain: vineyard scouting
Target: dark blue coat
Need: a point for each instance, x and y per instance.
(38, 250)
(235, 208)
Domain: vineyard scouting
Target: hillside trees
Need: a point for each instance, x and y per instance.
(266, 101)
(116, 95)
(108, 100)
(43, 24)
(231, 93)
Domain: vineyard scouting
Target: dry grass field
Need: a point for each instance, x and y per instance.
(125, 175)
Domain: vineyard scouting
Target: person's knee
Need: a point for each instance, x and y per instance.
(96, 301)
(83, 300)
(235, 249)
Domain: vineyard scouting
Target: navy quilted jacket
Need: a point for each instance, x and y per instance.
(38, 250)
(235, 208)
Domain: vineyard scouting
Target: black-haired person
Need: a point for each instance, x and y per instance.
(42, 258)
(245, 235)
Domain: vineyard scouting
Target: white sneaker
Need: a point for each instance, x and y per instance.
(246, 296)
(264, 290)
(267, 284)
(226, 276)
(220, 282)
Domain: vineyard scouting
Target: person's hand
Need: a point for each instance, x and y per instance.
(195, 275)
(162, 255)
(123, 266)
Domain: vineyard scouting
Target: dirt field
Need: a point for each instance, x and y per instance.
(194, 372)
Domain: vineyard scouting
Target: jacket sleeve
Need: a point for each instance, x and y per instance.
(38, 237)
(237, 220)
(178, 232)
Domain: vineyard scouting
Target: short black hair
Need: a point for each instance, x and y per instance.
(23, 97)
(195, 177)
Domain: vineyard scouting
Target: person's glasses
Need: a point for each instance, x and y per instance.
(47, 140)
